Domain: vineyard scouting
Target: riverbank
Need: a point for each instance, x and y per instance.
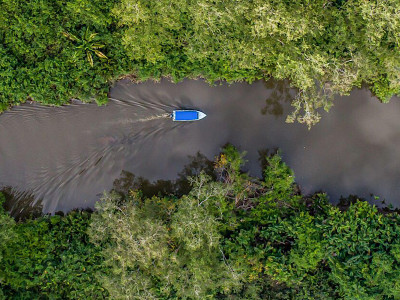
(67, 156)
(237, 236)
(78, 50)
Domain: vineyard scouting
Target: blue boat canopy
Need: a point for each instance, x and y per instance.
(187, 115)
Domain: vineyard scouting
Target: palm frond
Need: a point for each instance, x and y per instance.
(92, 36)
(89, 58)
(100, 54)
(70, 36)
(98, 46)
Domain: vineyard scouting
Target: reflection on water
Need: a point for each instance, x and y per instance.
(280, 96)
(264, 153)
(177, 187)
(21, 204)
(62, 155)
(67, 156)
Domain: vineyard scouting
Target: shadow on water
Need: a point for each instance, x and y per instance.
(21, 205)
(67, 155)
(24, 205)
(78, 146)
(345, 202)
(263, 154)
(279, 98)
(177, 187)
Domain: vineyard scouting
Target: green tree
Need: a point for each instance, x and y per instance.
(7, 233)
(37, 63)
(323, 47)
(155, 248)
(304, 247)
(232, 236)
(51, 257)
(86, 45)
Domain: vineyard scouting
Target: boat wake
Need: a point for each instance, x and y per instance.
(129, 121)
(156, 117)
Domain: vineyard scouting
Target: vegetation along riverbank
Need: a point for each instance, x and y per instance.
(53, 51)
(231, 237)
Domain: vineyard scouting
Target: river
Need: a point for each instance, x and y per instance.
(65, 157)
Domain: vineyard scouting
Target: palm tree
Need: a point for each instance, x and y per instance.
(87, 44)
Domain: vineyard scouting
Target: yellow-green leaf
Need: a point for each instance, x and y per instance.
(69, 36)
(89, 58)
(100, 54)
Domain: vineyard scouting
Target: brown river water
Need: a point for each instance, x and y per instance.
(62, 158)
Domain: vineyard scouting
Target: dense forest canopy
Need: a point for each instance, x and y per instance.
(324, 47)
(231, 236)
(39, 62)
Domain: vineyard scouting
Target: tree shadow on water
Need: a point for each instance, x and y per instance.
(383, 207)
(265, 153)
(281, 95)
(21, 205)
(177, 187)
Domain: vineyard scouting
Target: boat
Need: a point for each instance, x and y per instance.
(187, 115)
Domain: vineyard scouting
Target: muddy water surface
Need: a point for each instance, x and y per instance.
(65, 157)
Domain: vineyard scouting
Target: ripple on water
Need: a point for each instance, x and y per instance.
(66, 156)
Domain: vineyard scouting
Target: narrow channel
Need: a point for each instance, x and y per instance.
(66, 157)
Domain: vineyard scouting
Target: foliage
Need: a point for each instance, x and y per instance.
(232, 236)
(38, 63)
(303, 247)
(263, 237)
(86, 44)
(155, 248)
(322, 47)
(51, 257)
(6, 228)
